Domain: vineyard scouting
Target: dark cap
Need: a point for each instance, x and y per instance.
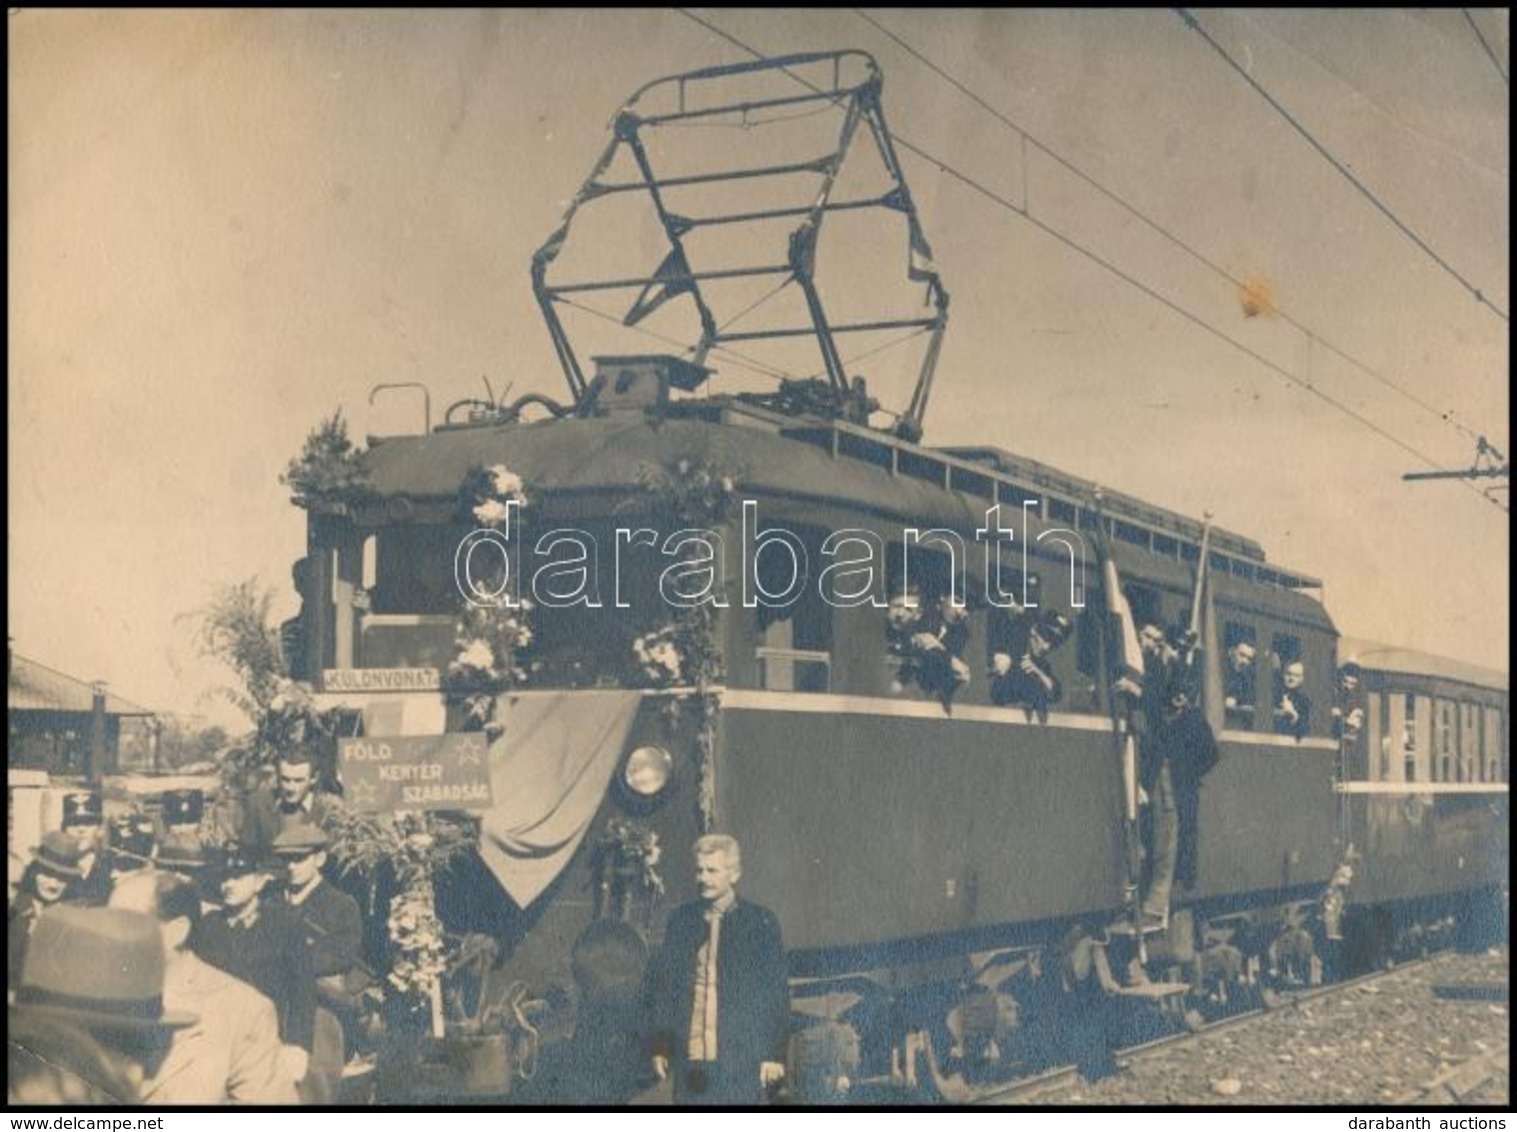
(59, 855)
(230, 861)
(182, 853)
(131, 841)
(300, 840)
(1054, 628)
(1176, 688)
(183, 807)
(82, 807)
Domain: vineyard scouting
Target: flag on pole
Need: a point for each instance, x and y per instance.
(1128, 661)
(1124, 661)
(1211, 663)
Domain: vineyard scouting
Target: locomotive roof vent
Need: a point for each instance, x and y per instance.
(642, 381)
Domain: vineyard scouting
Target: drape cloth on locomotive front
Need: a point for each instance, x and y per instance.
(549, 772)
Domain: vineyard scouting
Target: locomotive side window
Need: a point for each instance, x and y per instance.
(920, 583)
(795, 650)
(1239, 675)
(1290, 703)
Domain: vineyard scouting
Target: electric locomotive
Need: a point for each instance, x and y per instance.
(939, 852)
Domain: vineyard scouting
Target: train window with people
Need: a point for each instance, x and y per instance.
(1239, 674)
(1290, 705)
(927, 621)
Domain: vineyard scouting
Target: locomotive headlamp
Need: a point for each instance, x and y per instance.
(647, 771)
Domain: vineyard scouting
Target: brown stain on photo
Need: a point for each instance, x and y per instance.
(1257, 296)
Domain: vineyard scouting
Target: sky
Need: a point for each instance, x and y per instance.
(223, 226)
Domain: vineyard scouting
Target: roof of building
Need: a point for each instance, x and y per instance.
(36, 687)
(1396, 658)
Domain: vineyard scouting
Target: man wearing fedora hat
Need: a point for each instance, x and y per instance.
(100, 970)
(233, 1052)
(53, 877)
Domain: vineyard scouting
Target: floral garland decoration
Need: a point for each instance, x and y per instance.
(418, 846)
(330, 474)
(488, 637)
(624, 865)
(684, 652)
(290, 719)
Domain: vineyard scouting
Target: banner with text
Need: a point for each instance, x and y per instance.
(416, 772)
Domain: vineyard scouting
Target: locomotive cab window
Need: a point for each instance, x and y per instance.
(401, 605)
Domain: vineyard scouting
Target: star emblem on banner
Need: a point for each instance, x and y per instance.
(364, 795)
(471, 752)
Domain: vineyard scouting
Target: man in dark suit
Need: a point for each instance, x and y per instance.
(84, 821)
(260, 942)
(331, 927)
(294, 801)
(721, 1006)
(1186, 752)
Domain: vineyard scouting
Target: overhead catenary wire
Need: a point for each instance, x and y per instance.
(1361, 97)
(1195, 25)
(1196, 320)
(1446, 416)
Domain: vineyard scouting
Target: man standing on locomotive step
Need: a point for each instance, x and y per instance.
(721, 1005)
(1185, 751)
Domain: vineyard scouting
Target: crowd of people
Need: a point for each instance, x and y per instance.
(247, 993)
(193, 975)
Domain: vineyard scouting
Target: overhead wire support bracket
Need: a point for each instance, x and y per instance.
(1484, 467)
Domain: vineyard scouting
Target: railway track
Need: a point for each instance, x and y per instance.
(1050, 1082)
